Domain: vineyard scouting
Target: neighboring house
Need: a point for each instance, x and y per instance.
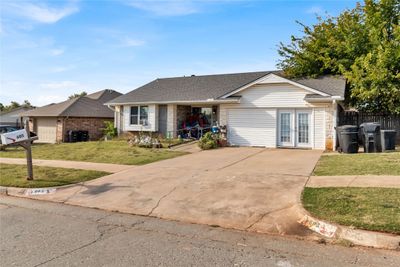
(13, 117)
(258, 108)
(86, 113)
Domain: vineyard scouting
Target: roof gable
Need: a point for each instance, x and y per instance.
(85, 106)
(308, 84)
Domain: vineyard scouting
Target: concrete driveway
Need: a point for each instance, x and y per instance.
(252, 189)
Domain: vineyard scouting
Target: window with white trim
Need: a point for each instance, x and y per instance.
(139, 115)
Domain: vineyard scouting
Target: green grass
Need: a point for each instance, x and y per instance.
(359, 164)
(376, 209)
(15, 175)
(117, 152)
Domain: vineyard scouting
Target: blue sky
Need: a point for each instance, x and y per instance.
(51, 49)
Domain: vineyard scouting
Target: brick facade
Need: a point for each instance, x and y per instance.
(60, 130)
(93, 125)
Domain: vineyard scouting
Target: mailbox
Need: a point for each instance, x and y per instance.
(14, 137)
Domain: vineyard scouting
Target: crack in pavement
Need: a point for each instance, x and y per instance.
(267, 213)
(240, 160)
(158, 202)
(352, 181)
(100, 237)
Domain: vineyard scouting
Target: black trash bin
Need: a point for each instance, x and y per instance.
(348, 138)
(388, 140)
(84, 136)
(371, 137)
(73, 136)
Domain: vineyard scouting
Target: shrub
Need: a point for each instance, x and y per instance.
(208, 141)
(109, 130)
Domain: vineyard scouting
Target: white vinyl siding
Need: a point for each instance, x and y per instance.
(151, 125)
(274, 95)
(252, 127)
(46, 130)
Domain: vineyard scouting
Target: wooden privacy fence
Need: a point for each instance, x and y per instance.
(387, 121)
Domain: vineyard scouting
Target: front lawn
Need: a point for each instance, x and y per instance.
(117, 152)
(376, 209)
(15, 175)
(359, 164)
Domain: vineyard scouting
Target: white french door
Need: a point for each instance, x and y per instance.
(286, 128)
(303, 128)
(294, 128)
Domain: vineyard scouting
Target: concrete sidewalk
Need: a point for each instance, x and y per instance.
(106, 167)
(354, 181)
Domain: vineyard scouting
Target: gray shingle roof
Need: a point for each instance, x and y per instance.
(202, 88)
(85, 106)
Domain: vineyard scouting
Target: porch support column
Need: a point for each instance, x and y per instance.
(171, 120)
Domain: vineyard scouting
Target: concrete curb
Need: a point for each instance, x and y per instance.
(336, 232)
(21, 191)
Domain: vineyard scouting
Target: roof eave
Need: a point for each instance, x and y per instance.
(208, 101)
(323, 99)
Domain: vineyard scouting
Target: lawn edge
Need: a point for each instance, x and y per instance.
(355, 236)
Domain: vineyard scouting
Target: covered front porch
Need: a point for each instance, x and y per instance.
(187, 121)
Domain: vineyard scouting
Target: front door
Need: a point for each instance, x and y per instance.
(294, 128)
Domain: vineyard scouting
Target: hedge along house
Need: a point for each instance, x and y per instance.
(86, 113)
(258, 108)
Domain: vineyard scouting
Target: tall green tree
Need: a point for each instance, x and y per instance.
(77, 95)
(362, 44)
(14, 105)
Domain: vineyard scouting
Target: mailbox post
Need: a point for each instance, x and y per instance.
(21, 138)
(28, 151)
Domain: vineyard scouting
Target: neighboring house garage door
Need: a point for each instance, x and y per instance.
(46, 129)
(252, 127)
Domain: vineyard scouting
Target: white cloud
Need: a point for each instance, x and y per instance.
(59, 69)
(57, 51)
(40, 12)
(62, 85)
(43, 100)
(314, 10)
(129, 42)
(165, 8)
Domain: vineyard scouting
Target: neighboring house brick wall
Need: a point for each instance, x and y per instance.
(93, 125)
(60, 130)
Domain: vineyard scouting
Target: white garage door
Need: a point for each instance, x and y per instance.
(252, 127)
(46, 129)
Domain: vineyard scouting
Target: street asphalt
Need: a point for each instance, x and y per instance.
(37, 233)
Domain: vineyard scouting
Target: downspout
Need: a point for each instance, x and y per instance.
(63, 128)
(334, 104)
(117, 121)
